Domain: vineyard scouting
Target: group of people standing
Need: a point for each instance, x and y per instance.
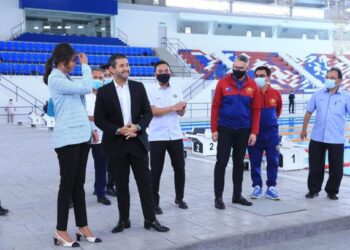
(111, 117)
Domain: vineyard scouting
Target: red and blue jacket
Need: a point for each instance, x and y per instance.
(271, 108)
(236, 104)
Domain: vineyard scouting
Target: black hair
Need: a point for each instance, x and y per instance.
(266, 69)
(62, 52)
(97, 69)
(160, 63)
(243, 58)
(112, 60)
(340, 74)
(104, 66)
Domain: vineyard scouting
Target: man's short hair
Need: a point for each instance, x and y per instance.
(160, 63)
(112, 60)
(242, 58)
(340, 74)
(97, 69)
(266, 69)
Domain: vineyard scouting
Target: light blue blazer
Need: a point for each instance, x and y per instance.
(72, 124)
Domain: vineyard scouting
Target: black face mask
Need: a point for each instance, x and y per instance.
(163, 78)
(238, 74)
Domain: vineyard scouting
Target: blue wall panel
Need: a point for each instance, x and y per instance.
(109, 7)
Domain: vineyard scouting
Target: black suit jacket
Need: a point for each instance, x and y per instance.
(108, 115)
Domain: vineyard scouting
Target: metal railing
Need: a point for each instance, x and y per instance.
(23, 110)
(194, 88)
(19, 92)
(173, 45)
(122, 36)
(17, 30)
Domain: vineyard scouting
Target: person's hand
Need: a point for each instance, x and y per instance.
(215, 136)
(95, 137)
(252, 139)
(179, 106)
(83, 58)
(303, 134)
(132, 130)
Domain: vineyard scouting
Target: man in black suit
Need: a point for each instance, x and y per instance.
(123, 112)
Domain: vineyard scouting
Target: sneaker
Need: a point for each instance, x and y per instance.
(271, 193)
(257, 192)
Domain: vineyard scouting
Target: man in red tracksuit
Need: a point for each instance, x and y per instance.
(268, 139)
(235, 117)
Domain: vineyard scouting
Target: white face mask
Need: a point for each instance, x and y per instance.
(260, 81)
(330, 83)
(108, 80)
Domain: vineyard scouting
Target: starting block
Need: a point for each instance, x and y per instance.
(34, 119)
(49, 121)
(201, 141)
(292, 155)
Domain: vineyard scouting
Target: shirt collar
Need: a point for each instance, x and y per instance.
(160, 87)
(119, 87)
(336, 92)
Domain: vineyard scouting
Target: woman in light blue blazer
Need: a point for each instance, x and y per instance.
(70, 138)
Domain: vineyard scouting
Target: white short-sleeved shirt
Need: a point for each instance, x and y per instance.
(90, 109)
(165, 127)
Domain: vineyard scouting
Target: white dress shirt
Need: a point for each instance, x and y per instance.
(124, 100)
(90, 109)
(165, 127)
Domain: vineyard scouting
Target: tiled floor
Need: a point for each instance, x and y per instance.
(29, 182)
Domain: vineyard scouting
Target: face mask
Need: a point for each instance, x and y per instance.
(330, 84)
(163, 78)
(108, 80)
(238, 74)
(96, 84)
(260, 81)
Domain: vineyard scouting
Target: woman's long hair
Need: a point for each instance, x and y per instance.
(63, 52)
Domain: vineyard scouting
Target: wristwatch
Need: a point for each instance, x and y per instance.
(117, 132)
(138, 127)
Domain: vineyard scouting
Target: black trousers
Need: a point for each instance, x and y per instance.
(317, 156)
(110, 181)
(100, 163)
(72, 160)
(132, 154)
(176, 152)
(228, 139)
(291, 107)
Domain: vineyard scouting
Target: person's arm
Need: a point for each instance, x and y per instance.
(162, 111)
(146, 111)
(215, 109)
(256, 110)
(311, 106)
(183, 110)
(63, 85)
(100, 115)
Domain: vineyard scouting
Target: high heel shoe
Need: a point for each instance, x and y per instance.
(58, 240)
(89, 239)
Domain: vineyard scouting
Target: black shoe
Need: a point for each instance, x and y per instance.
(333, 197)
(241, 200)
(219, 204)
(111, 192)
(158, 210)
(104, 200)
(121, 226)
(156, 225)
(181, 204)
(310, 195)
(3, 211)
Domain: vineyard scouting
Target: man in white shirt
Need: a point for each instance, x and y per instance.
(100, 157)
(165, 133)
(10, 110)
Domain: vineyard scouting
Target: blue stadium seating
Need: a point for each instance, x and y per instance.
(28, 57)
